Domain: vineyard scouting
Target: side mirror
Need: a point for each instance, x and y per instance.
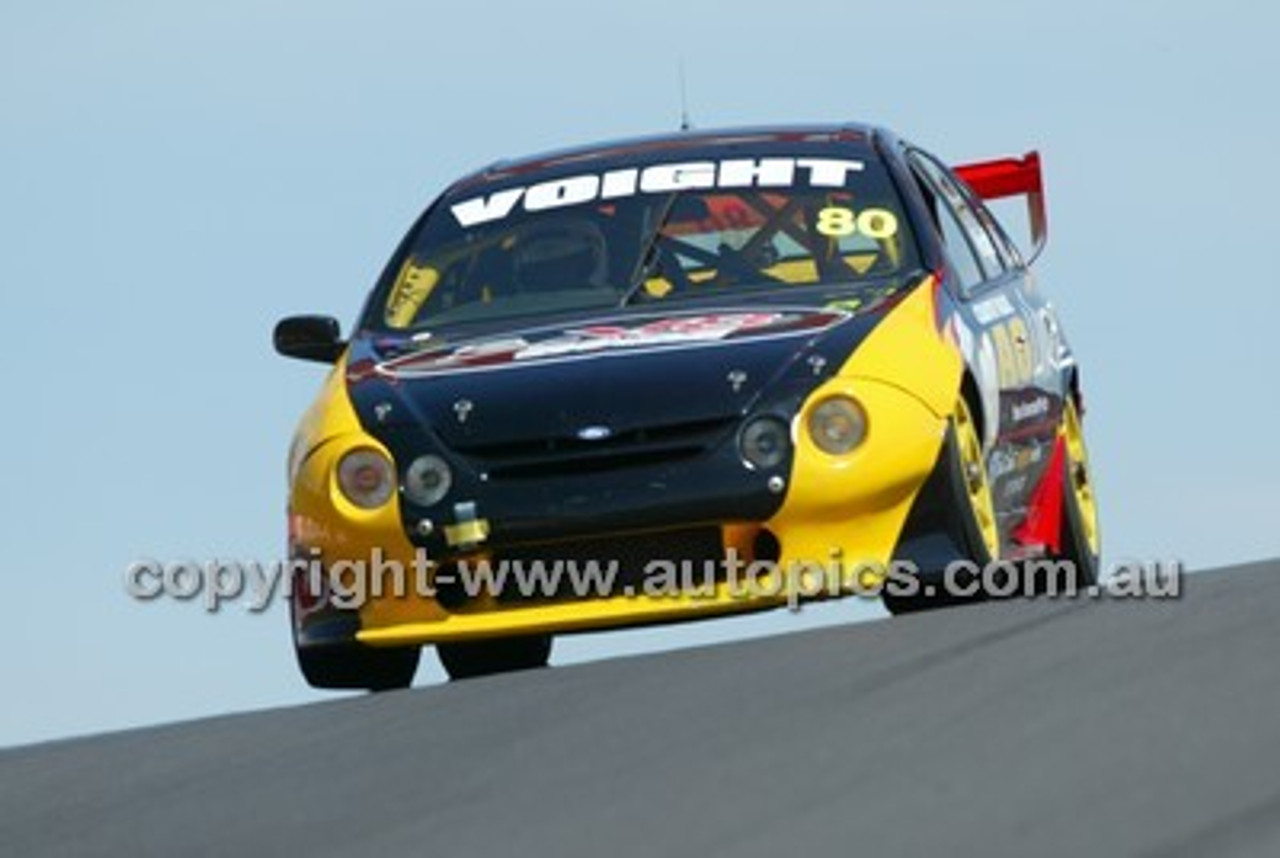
(316, 338)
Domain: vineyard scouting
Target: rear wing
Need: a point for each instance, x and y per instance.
(1012, 177)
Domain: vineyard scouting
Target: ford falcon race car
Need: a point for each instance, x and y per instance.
(775, 350)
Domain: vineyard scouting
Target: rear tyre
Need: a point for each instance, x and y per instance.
(358, 666)
(470, 659)
(966, 492)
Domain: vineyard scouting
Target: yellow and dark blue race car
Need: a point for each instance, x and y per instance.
(677, 377)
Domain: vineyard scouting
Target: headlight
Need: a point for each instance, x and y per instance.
(366, 478)
(837, 425)
(428, 480)
(764, 443)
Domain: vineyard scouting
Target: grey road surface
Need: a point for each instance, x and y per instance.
(1020, 729)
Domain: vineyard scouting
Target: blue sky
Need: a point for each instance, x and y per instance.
(174, 177)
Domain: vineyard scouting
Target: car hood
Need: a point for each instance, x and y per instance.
(596, 377)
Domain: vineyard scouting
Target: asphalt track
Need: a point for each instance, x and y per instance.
(1021, 729)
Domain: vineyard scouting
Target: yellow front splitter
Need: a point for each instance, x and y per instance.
(487, 619)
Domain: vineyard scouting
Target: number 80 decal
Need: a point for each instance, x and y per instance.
(837, 222)
(1013, 352)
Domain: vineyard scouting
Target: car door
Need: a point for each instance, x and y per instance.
(1004, 337)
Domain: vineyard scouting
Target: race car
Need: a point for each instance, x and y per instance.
(699, 367)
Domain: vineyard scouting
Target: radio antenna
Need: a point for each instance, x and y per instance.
(685, 124)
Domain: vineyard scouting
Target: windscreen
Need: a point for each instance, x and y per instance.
(664, 231)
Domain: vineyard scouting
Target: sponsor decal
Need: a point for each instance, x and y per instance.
(661, 179)
(1000, 464)
(1023, 411)
(1029, 456)
(677, 331)
(613, 337)
(1014, 487)
(1006, 460)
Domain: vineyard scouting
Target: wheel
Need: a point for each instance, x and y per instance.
(480, 658)
(357, 666)
(971, 512)
(975, 510)
(1080, 541)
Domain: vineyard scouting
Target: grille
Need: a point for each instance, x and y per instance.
(553, 457)
(701, 548)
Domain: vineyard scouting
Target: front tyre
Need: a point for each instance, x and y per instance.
(355, 666)
(470, 659)
(1079, 538)
(974, 507)
(965, 492)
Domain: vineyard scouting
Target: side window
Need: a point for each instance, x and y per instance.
(958, 248)
(1008, 250)
(995, 251)
(979, 238)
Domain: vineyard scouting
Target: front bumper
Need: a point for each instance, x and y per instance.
(842, 513)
